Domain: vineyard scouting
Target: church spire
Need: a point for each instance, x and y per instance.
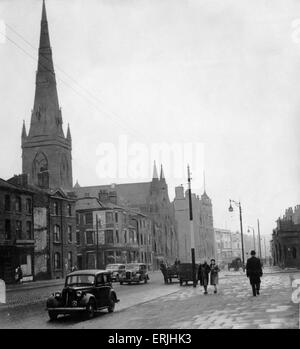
(155, 175)
(24, 133)
(162, 175)
(69, 138)
(46, 117)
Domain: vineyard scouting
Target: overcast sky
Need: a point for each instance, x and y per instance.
(225, 74)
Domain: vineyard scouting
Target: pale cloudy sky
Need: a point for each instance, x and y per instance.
(222, 73)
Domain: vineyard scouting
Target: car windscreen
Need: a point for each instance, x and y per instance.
(80, 280)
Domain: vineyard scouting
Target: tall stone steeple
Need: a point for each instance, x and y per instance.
(46, 152)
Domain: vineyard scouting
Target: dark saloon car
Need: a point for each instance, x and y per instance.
(85, 291)
(134, 273)
(116, 270)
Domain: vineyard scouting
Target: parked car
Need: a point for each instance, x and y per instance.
(85, 291)
(115, 270)
(134, 272)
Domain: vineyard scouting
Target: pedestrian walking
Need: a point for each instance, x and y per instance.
(254, 272)
(203, 275)
(163, 269)
(214, 274)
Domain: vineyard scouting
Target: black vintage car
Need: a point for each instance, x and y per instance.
(134, 273)
(85, 291)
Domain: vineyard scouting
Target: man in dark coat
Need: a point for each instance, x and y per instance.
(254, 272)
(203, 275)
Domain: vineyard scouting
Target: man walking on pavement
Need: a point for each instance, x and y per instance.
(254, 272)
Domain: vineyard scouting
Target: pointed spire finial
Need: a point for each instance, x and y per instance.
(155, 175)
(69, 133)
(24, 133)
(162, 176)
(44, 13)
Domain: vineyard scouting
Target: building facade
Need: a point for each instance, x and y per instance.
(16, 231)
(107, 233)
(150, 199)
(285, 243)
(205, 243)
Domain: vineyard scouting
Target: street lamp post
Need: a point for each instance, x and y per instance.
(97, 242)
(241, 225)
(259, 239)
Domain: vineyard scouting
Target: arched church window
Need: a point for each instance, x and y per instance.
(40, 163)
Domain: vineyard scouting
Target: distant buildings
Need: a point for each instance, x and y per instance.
(107, 233)
(285, 244)
(203, 226)
(148, 199)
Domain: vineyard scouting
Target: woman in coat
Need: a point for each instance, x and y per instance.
(203, 275)
(214, 274)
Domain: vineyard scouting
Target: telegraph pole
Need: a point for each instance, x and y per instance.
(192, 229)
(97, 242)
(259, 242)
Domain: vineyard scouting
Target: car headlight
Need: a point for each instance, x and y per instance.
(78, 294)
(57, 294)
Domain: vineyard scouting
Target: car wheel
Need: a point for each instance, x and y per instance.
(111, 307)
(52, 315)
(90, 310)
(180, 281)
(145, 280)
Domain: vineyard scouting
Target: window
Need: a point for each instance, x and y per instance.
(116, 217)
(109, 238)
(70, 260)
(89, 218)
(69, 207)
(28, 206)
(7, 230)
(109, 217)
(125, 236)
(55, 208)
(294, 252)
(77, 218)
(19, 230)
(78, 237)
(7, 203)
(90, 237)
(117, 236)
(28, 230)
(18, 204)
(131, 236)
(69, 233)
(56, 260)
(56, 233)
